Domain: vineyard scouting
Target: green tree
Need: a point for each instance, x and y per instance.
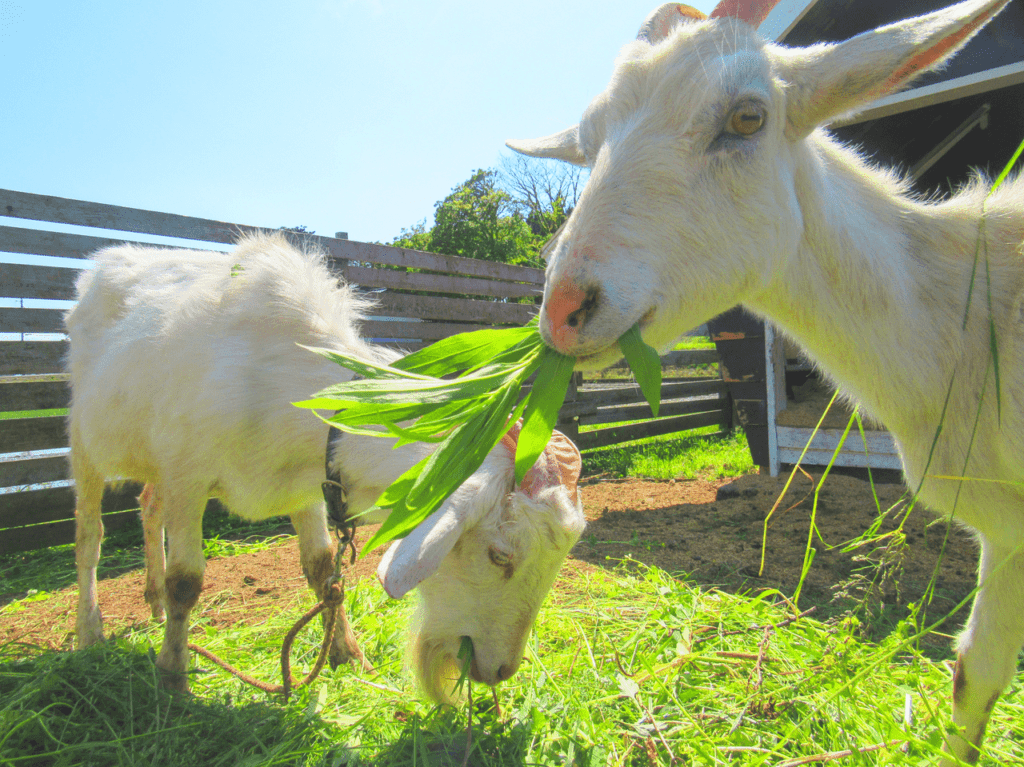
(416, 237)
(502, 215)
(545, 191)
(480, 220)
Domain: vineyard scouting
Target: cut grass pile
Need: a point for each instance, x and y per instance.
(627, 667)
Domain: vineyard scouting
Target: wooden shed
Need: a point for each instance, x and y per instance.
(966, 118)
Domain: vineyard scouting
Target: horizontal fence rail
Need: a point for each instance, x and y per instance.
(685, 405)
(420, 298)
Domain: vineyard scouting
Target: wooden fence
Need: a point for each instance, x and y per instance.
(422, 297)
(686, 403)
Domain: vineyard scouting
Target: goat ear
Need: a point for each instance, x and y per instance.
(828, 81)
(659, 24)
(563, 146)
(751, 11)
(416, 557)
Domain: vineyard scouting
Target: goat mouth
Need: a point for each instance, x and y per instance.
(474, 673)
(603, 355)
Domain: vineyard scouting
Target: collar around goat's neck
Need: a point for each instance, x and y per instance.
(335, 493)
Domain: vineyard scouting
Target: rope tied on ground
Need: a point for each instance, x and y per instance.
(332, 599)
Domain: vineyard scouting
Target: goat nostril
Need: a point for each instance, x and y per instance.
(579, 317)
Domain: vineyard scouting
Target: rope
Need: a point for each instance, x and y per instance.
(334, 594)
(331, 601)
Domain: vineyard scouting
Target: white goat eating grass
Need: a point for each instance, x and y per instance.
(713, 184)
(183, 368)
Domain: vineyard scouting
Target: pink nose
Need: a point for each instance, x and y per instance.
(566, 310)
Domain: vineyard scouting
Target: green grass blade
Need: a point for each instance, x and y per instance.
(994, 350)
(541, 412)
(646, 365)
(1009, 166)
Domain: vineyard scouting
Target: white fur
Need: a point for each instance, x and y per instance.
(183, 369)
(683, 218)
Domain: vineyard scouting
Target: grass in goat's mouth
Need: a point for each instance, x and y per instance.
(415, 399)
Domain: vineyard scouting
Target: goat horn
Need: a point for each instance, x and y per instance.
(567, 456)
(559, 464)
(511, 438)
(751, 11)
(657, 26)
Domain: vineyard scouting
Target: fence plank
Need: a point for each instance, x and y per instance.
(368, 252)
(53, 504)
(629, 394)
(43, 395)
(32, 281)
(34, 471)
(827, 439)
(643, 410)
(824, 457)
(31, 320)
(575, 409)
(453, 309)
(604, 437)
(40, 207)
(38, 242)
(20, 434)
(437, 283)
(57, 533)
(681, 359)
(32, 357)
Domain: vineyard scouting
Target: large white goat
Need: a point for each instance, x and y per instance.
(183, 369)
(713, 184)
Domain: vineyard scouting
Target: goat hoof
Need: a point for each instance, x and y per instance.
(356, 659)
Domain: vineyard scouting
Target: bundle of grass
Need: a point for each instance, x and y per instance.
(463, 392)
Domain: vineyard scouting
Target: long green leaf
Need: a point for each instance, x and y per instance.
(421, 490)
(646, 365)
(389, 391)
(361, 367)
(541, 414)
(465, 351)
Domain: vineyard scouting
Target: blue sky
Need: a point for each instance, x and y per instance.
(352, 115)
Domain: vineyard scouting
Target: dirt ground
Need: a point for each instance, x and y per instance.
(707, 531)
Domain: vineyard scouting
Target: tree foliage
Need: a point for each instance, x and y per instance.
(502, 215)
(479, 220)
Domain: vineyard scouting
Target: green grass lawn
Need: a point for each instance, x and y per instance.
(694, 342)
(697, 454)
(11, 414)
(627, 666)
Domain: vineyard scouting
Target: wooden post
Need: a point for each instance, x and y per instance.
(740, 340)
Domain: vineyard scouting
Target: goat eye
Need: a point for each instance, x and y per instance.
(747, 119)
(498, 557)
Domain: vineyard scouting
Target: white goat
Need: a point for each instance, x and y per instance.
(183, 369)
(712, 184)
